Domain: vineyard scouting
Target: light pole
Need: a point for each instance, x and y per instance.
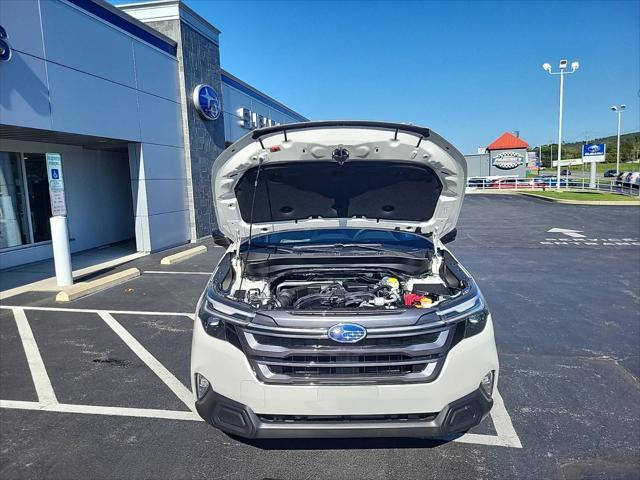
(562, 71)
(619, 111)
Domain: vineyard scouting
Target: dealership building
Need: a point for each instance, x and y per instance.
(134, 102)
(505, 156)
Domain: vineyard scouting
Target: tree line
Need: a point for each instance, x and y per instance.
(629, 148)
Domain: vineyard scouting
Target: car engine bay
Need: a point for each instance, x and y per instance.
(343, 288)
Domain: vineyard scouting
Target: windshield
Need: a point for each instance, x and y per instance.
(347, 236)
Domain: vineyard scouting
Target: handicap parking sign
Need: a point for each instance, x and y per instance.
(55, 174)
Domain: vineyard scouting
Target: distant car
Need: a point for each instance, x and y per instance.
(565, 172)
(551, 181)
(479, 182)
(621, 179)
(503, 183)
(633, 180)
(512, 183)
(611, 173)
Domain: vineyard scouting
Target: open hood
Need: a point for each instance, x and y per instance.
(339, 174)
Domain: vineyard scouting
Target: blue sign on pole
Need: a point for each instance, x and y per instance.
(56, 185)
(594, 152)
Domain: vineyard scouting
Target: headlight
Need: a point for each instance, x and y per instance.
(475, 323)
(474, 313)
(218, 318)
(212, 323)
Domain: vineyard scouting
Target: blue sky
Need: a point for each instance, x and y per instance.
(469, 70)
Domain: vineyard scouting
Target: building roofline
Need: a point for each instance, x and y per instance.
(162, 10)
(262, 96)
(116, 17)
(507, 141)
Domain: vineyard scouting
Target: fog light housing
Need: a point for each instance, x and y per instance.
(487, 384)
(202, 386)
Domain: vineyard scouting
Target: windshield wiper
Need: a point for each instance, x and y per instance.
(324, 247)
(369, 246)
(276, 248)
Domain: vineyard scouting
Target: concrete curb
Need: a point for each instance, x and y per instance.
(491, 192)
(83, 289)
(180, 256)
(50, 285)
(625, 203)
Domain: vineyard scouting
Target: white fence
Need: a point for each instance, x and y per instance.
(551, 183)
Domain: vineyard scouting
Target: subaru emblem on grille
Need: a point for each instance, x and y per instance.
(347, 332)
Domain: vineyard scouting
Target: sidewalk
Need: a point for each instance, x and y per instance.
(41, 275)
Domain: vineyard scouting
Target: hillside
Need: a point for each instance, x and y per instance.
(629, 148)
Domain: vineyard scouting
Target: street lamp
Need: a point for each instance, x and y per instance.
(562, 71)
(619, 111)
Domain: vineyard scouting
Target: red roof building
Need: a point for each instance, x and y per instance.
(507, 141)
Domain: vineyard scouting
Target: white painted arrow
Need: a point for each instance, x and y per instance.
(566, 231)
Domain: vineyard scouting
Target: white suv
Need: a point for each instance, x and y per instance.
(336, 310)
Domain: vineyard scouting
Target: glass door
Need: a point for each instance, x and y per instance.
(35, 166)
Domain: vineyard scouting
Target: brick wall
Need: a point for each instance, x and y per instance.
(199, 62)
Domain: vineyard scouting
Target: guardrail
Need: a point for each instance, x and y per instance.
(550, 183)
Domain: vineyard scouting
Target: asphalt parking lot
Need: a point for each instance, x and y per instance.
(98, 387)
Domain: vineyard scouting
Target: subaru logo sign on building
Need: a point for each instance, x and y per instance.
(347, 332)
(206, 101)
(508, 160)
(5, 48)
(594, 152)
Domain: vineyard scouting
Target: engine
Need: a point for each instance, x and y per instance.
(340, 293)
(344, 290)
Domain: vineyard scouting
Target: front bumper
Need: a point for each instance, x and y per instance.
(238, 419)
(231, 375)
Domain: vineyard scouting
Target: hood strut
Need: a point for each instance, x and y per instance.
(253, 202)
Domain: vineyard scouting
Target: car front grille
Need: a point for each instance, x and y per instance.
(309, 356)
(297, 342)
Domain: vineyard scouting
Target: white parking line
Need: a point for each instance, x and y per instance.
(100, 410)
(483, 439)
(41, 381)
(92, 310)
(469, 438)
(506, 435)
(178, 273)
(156, 367)
(502, 422)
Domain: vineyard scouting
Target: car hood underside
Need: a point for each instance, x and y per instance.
(339, 174)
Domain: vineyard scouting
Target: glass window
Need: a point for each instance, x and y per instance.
(14, 223)
(25, 207)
